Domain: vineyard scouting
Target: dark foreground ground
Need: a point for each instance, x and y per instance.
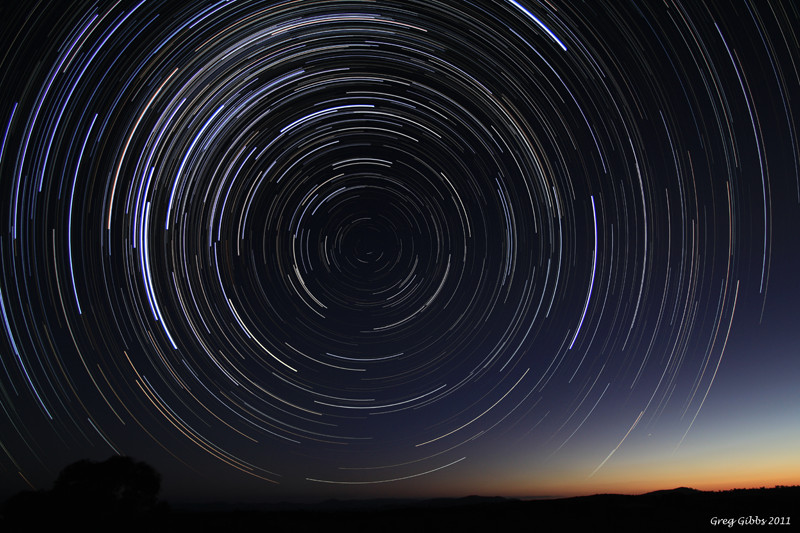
(776, 509)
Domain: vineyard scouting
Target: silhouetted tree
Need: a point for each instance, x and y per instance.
(118, 494)
(118, 485)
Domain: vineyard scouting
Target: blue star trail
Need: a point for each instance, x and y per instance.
(319, 245)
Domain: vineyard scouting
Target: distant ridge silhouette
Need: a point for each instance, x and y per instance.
(120, 494)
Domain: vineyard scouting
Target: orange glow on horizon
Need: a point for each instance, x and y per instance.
(640, 479)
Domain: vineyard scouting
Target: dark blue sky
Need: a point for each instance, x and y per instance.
(307, 249)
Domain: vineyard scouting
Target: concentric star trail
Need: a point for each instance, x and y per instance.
(362, 242)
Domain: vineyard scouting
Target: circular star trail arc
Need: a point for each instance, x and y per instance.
(366, 236)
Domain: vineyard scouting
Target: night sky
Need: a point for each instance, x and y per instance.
(303, 249)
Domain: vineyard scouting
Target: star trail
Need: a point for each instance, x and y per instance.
(412, 246)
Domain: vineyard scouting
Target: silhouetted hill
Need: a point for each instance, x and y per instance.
(679, 490)
(681, 509)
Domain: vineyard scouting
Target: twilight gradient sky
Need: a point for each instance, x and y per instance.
(302, 249)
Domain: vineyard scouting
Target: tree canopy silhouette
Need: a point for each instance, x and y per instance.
(117, 493)
(116, 485)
